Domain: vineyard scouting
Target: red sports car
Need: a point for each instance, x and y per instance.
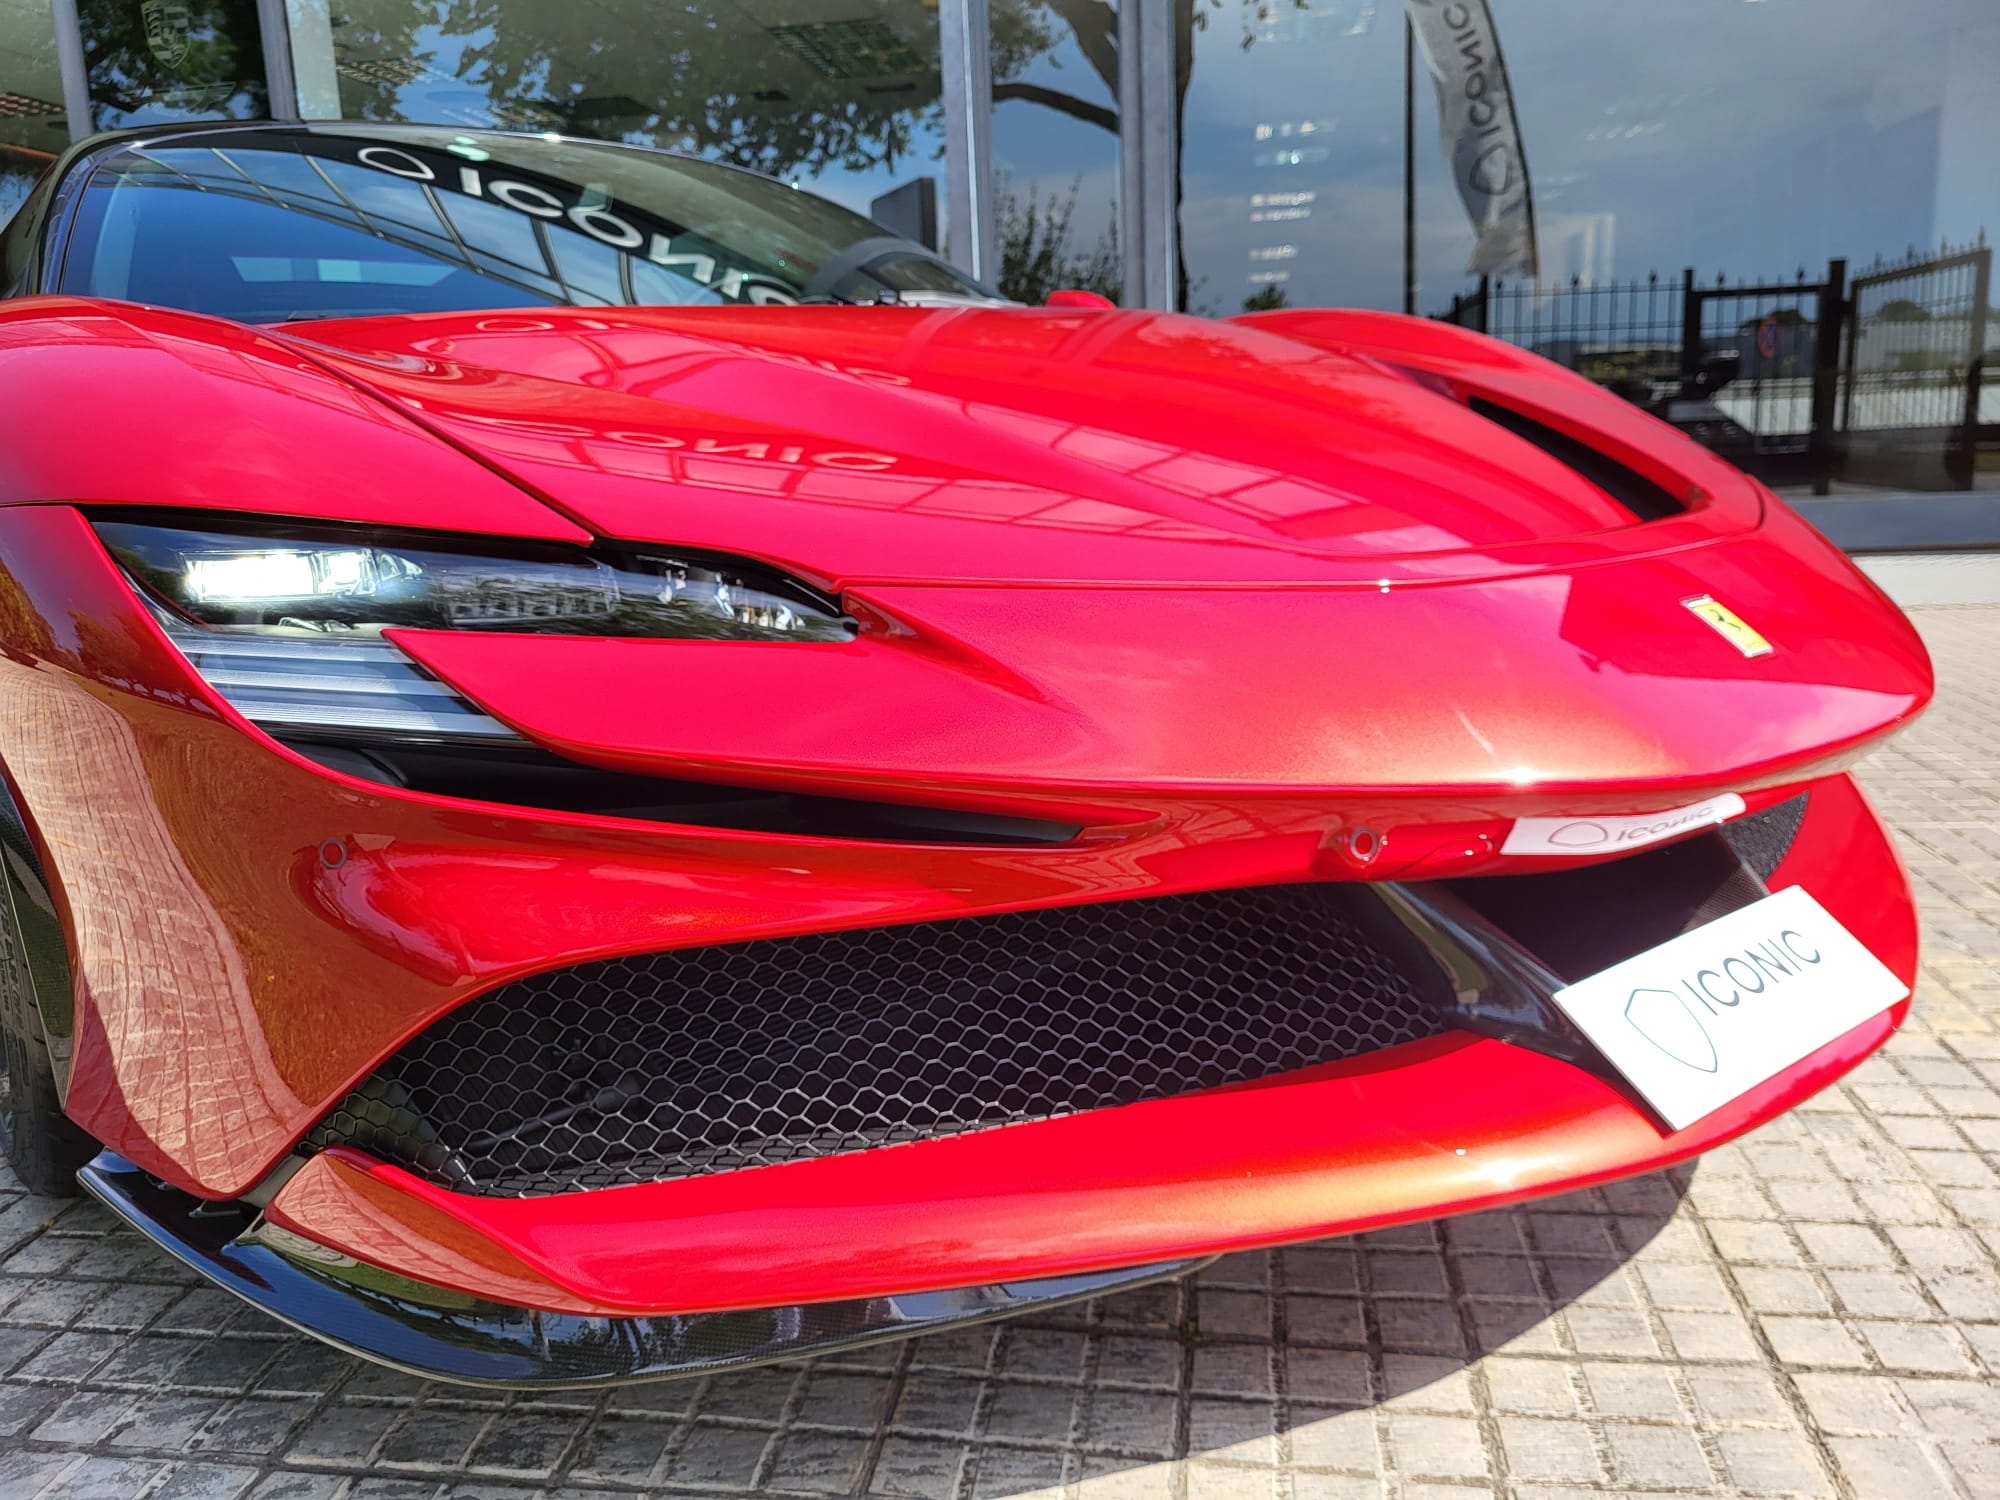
(610, 770)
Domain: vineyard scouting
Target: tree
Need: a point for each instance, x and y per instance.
(1902, 310)
(1783, 317)
(1035, 253)
(1267, 298)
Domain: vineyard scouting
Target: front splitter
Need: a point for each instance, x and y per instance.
(438, 1334)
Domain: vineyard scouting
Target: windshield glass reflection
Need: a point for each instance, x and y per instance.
(272, 226)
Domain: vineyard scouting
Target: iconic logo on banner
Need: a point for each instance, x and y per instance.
(169, 30)
(1482, 136)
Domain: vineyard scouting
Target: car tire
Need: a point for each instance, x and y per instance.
(44, 1146)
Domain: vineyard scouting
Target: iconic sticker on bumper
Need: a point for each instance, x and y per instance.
(1712, 1013)
(1561, 836)
(1728, 624)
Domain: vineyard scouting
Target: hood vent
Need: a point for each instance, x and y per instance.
(1631, 489)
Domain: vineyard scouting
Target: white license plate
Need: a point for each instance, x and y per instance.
(1560, 837)
(1712, 1013)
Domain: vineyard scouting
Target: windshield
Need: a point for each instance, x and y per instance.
(267, 226)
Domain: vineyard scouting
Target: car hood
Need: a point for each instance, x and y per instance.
(886, 444)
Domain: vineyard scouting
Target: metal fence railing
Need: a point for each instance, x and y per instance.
(1797, 380)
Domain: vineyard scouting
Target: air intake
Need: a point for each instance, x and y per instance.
(1631, 489)
(744, 1054)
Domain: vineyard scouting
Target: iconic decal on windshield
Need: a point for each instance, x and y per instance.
(671, 249)
(1728, 624)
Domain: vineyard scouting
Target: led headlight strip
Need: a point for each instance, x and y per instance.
(286, 620)
(347, 686)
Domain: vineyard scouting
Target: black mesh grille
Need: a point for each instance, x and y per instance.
(1763, 839)
(708, 1059)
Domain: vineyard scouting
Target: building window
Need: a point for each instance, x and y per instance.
(154, 61)
(33, 125)
(1055, 148)
(845, 103)
(1747, 140)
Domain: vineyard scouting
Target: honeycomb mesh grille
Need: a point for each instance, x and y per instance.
(709, 1059)
(1763, 839)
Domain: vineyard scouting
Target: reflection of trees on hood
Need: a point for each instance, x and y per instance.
(221, 72)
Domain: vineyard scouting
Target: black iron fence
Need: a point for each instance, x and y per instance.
(1913, 379)
(1800, 380)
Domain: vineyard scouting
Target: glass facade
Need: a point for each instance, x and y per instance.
(151, 62)
(841, 99)
(1747, 140)
(1767, 216)
(1055, 148)
(33, 124)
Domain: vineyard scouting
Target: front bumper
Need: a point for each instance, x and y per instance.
(1450, 1124)
(741, 1267)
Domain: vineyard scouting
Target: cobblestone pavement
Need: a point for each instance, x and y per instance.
(1812, 1311)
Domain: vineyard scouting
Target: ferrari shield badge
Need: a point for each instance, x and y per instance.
(1728, 624)
(169, 30)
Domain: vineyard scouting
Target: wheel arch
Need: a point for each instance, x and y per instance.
(30, 910)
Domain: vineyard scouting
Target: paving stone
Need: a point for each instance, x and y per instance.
(1888, 1466)
(1437, 1446)
(1816, 1342)
(1929, 1347)
(1532, 1387)
(1634, 1391)
(1766, 1461)
(1538, 1450)
(1646, 1457)
(1346, 1440)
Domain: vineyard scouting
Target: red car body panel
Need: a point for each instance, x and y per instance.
(223, 417)
(1216, 592)
(1019, 447)
(1551, 692)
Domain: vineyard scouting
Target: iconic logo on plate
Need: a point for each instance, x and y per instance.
(1667, 1021)
(1585, 835)
(1560, 836)
(1728, 624)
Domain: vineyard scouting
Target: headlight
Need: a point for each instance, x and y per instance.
(286, 623)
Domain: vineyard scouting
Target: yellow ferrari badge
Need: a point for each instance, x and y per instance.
(1728, 624)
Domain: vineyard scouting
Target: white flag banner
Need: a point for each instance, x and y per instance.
(1481, 136)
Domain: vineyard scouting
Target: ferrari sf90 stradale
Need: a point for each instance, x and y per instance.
(610, 770)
